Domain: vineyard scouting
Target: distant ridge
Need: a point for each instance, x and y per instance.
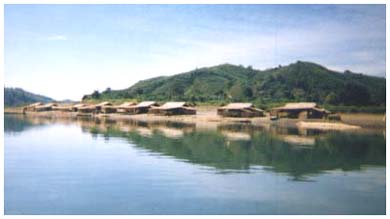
(300, 81)
(18, 97)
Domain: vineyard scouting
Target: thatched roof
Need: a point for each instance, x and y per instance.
(49, 105)
(172, 105)
(126, 104)
(35, 104)
(79, 105)
(105, 103)
(297, 106)
(237, 106)
(87, 107)
(146, 104)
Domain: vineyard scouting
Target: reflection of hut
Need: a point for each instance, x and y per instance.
(300, 110)
(174, 108)
(171, 132)
(236, 136)
(31, 107)
(122, 108)
(142, 107)
(297, 139)
(99, 106)
(146, 132)
(46, 107)
(240, 110)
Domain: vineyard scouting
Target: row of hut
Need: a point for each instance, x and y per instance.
(290, 110)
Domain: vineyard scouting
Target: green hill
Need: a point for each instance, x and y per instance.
(18, 97)
(300, 81)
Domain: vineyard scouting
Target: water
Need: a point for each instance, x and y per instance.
(74, 166)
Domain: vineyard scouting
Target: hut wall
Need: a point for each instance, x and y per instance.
(42, 109)
(108, 110)
(176, 111)
(135, 110)
(240, 112)
(315, 114)
(300, 114)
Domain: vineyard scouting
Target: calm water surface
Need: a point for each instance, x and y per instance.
(86, 166)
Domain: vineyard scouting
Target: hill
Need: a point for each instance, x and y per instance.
(300, 81)
(18, 97)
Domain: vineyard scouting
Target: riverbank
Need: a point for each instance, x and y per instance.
(207, 116)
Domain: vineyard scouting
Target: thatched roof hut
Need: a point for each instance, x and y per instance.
(108, 109)
(100, 106)
(302, 110)
(32, 106)
(86, 109)
(77, 106)
(46, 107)
(142, 107)
(240, 110)
(126, 104)
(62, 108)
(174, 108)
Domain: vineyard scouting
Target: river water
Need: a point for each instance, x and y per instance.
(102, 166)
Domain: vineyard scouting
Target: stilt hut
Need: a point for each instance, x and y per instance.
(100, 106)
(174, 108)
(62, 108)
(86, 109)
(76, 107)
(32, 106)
(108, 109)
(300, 110)
(240, 110)
(122, 108)
(140, 108)
(46, 107)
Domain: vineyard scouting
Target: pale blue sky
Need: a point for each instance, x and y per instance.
(65, 51)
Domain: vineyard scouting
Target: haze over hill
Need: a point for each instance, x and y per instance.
(300, 81)
(19, 97)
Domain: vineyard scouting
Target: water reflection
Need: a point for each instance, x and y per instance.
(234, 147)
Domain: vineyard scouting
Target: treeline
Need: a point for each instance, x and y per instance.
(19, 97)
(300, 81)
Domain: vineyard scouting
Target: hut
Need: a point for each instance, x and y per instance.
(173, 108)
(45, 107)
(77, 106)
(101, 105)
(86, 109)
(32, 106)
(142, 107)
(240, 110)
(62, 108)
(122, 108)
(301, 110)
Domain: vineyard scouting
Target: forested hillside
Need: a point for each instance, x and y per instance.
(300, 81)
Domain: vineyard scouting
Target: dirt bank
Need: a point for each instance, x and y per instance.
(207, 117)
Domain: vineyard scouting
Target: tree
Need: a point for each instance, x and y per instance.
(355, 94)
(331, 98)
(95, 94)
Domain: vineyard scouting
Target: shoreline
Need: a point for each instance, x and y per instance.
(207, 117)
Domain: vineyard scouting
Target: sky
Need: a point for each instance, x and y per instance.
(66, 51)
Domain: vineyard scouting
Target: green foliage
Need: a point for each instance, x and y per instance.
(335, 150)
(300, 81)
(18, 97)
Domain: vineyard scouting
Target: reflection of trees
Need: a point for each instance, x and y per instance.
(228, 148)
(333, 151)
(13, 124)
